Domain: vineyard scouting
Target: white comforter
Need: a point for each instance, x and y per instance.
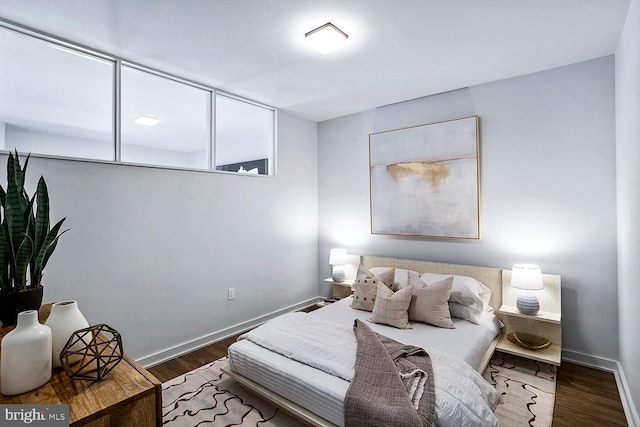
(463, 397)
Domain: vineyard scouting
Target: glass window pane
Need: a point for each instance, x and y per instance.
(244, 136)
(54, 100)
(180, 137)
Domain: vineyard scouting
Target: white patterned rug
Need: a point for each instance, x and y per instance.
(208, 397)
(527, 387)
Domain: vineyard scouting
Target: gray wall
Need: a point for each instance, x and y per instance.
(151, 252)
(628, 179)
(547, 188)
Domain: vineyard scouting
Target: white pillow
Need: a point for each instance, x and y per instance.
(400, 280)
(462, 312)
(466, 291)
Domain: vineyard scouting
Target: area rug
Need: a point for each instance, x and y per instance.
(527, 387)
(208, 397)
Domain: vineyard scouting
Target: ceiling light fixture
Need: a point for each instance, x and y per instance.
(327, 38)
(146, 121)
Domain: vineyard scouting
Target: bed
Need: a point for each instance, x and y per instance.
(317, 397)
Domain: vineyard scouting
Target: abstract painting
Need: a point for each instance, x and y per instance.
(425, 180)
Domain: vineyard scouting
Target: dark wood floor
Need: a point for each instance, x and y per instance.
(584, 396)
(183, 364)
(587, 397)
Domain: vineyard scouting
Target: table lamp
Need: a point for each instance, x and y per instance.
(528, 278)
(337, 259)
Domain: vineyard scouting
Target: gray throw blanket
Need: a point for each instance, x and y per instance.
(392, 384)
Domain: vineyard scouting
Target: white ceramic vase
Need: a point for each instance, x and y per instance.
(64, 320)
(25, 362)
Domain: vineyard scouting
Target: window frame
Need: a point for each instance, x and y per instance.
(272, 164)
(116, 131)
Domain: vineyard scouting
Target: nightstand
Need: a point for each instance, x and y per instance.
(128, 396)
(546, 323)
(342, 289)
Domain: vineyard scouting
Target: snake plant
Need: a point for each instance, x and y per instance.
(26, 240)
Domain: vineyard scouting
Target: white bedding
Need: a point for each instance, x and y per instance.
(476, 338)
(318, 364)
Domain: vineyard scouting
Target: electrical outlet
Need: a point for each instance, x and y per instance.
(232, 293)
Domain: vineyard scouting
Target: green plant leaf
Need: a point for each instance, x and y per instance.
(26, 241)
(45, 252)
(19, 173)
(51, 248)
(25, 251)
(14, 211)
(42, 214)
(5, 282)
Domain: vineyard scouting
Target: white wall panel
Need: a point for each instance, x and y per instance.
(547, 153)
(151, 252)
(628, 177)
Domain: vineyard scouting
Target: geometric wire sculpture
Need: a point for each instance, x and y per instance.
(92, 352)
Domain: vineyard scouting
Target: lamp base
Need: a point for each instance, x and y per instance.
(529, 341)
(527, 303)
(337, 275)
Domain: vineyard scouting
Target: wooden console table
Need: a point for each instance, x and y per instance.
(128, 396)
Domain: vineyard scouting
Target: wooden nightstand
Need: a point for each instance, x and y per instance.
(342, 289)
(546, 323)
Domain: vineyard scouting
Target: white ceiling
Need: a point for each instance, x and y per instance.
(397, 50)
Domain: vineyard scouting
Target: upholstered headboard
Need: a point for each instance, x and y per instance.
(491, 277)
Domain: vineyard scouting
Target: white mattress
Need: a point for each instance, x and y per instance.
(324, 394)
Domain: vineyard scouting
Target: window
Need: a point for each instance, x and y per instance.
(62, 100)
(55, 100)
(244, 136)
(178, 131)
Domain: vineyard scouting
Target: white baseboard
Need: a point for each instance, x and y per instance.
(590, 361)
(189, 346)
(630, 410)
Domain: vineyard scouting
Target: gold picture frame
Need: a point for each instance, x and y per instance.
(425, 180)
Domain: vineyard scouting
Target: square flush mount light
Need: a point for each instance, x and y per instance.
(327, 38)
(146, 121)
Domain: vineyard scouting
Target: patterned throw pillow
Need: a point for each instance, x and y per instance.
(365, 288)
(364, 294)
(385, 276)
(391, 308)
(430, 303)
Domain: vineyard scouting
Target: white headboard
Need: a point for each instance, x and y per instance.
(491, 277)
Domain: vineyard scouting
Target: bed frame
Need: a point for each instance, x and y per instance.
(491, 277)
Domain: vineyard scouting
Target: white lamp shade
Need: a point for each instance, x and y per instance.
(527, 277)
(338, 257)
